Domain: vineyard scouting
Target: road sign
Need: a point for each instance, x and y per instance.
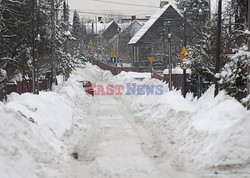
(113, 53)
(92, 47)
(112, 59)
(151, 59)
(184, 53)
(184, 65)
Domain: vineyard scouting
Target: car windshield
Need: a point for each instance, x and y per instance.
(87, 84)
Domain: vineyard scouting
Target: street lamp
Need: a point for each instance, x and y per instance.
(117, 44)
(170, 62)
(200, 12)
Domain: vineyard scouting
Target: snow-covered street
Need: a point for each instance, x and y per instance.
(125, 89)
(122, 136)
(115, 144)
(126, 139)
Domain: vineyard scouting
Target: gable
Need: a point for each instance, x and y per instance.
(111, 30)
(132, 29)
(167, 12)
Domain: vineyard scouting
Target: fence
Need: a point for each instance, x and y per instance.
(116, 70)
(24, 86)
(157, 75)
(177, 79)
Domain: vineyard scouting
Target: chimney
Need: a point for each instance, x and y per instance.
(133, 17)
(99, 19)
(163, 3)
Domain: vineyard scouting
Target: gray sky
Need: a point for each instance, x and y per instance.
(98, 8)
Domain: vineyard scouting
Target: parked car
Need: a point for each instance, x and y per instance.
(87, 85)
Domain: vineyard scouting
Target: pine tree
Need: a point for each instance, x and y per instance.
(193, 7)
(16, 29)
(76, 27)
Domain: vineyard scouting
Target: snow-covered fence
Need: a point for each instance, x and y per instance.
(24, 86)
(116, 70)
(157, 75)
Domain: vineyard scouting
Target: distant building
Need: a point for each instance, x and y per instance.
(112, 29)
(119, 41)
(152, 38)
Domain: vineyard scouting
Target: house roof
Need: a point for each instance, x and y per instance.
(131, 25)
(126, 29)
(110, 27)
(99, 27)
(151, 22)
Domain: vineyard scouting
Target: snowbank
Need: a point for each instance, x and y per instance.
(32, 132)
(205, 133)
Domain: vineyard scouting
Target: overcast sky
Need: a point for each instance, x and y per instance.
(99, 7)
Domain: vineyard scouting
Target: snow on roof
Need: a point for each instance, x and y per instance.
(108, 24)
(151, 21)
(126, 26)
(98, 28)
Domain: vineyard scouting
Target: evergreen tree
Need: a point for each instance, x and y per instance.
(16, 29)
(76, 27)
(16, 25)
(193, 7)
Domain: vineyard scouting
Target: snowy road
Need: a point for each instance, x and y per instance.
(127, 136)
(116, 145)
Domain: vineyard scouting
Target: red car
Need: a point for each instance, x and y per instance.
(87, 85)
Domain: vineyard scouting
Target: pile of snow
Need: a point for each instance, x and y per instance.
(33, 131)
(36, 130)
(205, 133)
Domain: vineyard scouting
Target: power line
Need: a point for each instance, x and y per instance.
(95, 10)
(127, 4)
(103, 13)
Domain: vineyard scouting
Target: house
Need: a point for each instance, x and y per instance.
(98, 34)
(125, 50)
(152, 38)
(119, 41)
(112, 29)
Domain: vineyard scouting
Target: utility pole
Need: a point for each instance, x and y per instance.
(199, 77)
(53, 41)
(184, 90)
(218, 47)
(248, 65)
(35, 84)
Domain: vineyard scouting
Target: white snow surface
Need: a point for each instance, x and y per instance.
(177, 70)
(123, 136)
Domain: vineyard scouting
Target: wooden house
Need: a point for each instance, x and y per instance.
(152, 38)
(119, 42)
